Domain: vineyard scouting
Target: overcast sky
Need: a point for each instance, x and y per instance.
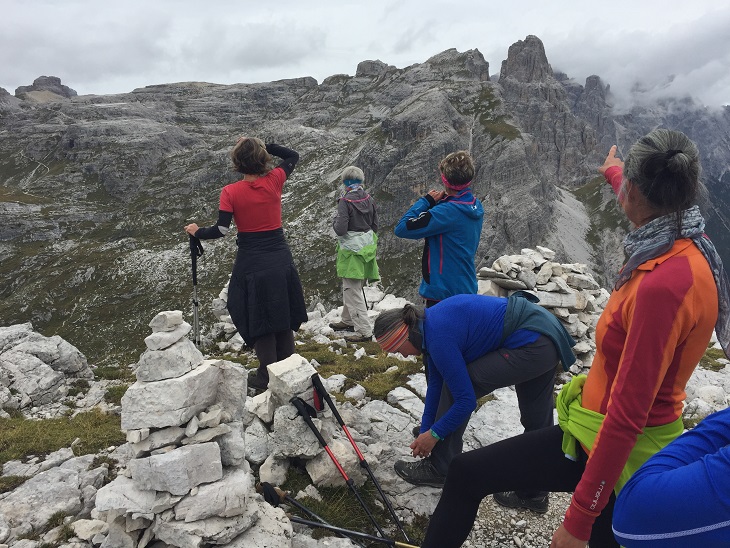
(97, 46)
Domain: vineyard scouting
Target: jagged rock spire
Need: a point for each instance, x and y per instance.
(526, 61)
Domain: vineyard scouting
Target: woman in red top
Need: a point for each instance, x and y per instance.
(265, 297)
(653, 331)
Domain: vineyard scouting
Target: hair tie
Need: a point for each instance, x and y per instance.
(452, 186)
(672, 153)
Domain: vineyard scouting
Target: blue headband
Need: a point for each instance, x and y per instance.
(350, 182)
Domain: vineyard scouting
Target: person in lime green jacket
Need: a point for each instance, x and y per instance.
(356, 226)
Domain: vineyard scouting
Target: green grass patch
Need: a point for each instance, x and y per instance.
(114, 394)
(8, 483)
(709, 360)
(21, 437)
(113, 373)
(78, 386)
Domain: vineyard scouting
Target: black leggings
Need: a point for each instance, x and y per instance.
(272, 348)
(531, 461)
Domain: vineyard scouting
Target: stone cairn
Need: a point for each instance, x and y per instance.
(567, 290)
(188, 482)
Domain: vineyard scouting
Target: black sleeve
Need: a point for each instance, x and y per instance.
(289, 157)
(219, 230)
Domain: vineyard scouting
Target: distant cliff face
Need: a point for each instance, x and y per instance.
(95, 189)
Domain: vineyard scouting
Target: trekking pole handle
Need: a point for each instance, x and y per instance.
(301, 407)
(319, 387)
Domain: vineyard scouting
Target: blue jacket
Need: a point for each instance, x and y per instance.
(451, 229)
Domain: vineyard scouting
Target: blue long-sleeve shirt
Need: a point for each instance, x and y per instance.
(457, 331)
(681, 496)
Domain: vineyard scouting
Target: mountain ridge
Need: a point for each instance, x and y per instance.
(95, 189)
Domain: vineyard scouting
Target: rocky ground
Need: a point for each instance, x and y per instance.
(497, 526)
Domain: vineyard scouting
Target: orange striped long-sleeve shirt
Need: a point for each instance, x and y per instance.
(649, 339)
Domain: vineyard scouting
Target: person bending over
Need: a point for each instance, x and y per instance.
(472, 345)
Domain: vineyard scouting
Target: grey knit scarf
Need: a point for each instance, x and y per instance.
(657, 237)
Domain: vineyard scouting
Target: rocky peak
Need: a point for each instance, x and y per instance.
(526, 61)
(47, 83)
(468, 65)
(372, 69)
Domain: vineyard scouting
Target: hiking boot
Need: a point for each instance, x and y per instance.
(342, 326)
(257, 382)
(358, 338)
(511, 499)
(421, 472)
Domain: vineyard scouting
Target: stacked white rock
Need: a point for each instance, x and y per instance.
(568, 290)
(187, 483)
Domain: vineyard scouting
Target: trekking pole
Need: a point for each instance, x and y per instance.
(365, 536)
(307, 412)
(275, 496)
(322, 393)
(196, 250)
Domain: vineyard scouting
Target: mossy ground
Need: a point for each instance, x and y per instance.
(20, 438)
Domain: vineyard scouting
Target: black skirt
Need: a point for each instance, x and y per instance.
(265, 294)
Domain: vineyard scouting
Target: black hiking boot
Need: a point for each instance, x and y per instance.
(357, 337)
(421, 472)
(257, 382)
(510, 499)
(342, 326)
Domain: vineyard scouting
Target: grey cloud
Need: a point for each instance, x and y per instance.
(692, 59)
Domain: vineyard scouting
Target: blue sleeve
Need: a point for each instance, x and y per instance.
(709, 438)
(448, 360)
(433, 395)
(424, 219)
(681, 495)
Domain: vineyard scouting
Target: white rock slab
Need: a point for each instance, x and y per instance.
(214, 530)
(272, 530)
(170, 402)
(156, 365)
(34, 502)
(324, 473)
(167, 320)
(262, 405)
(233, 445)
(178, 471)
(290, 377)
(406, 399)
(225, 498)
(164, 339)
(274, 470)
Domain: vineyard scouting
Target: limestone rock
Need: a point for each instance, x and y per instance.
(178, 471)
(172, 362)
